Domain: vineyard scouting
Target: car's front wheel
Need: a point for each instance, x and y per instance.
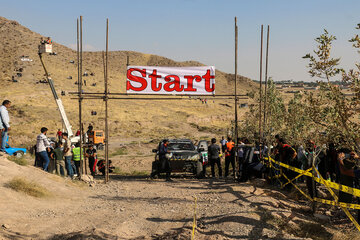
(19, 154)
(199, 169)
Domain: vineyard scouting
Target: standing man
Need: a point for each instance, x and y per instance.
(91, 155)
(59, 134)
(52, 163)
(43, 147)
(1, 130)
(60, 163)
(287, 155)
(77, 157)
(229, 156)
(164, 163)
(214, 151)
(223, 144)
(241, 146)
(5, 119)
(68, 155)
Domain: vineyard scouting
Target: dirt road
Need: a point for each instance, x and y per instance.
(134, 207)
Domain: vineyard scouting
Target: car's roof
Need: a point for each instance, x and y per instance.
(180, 141)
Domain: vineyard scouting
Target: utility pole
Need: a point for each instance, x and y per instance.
(79, 47)
(260, 102)
(266, 80)
(106, 105)
(236, 100)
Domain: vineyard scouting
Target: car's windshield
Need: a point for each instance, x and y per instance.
(181, 146)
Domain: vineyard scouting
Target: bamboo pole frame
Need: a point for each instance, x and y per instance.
(260, 90)
(105, 96)
(236, 101)
(265, 129)
(80, 67)
(106, 105)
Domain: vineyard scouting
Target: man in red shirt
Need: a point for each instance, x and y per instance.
(59, 135)
(287, 156)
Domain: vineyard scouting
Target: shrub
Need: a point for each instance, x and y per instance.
(29, 188)
(119, 151)
(21, 161)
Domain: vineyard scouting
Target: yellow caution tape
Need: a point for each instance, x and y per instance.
(297, 177)
(194, 221)
(276, 176)
(343, 188)
(339, 204)
(328, 184)
(336, 199)
(301, 191)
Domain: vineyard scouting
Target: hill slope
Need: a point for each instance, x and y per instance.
(34, 106)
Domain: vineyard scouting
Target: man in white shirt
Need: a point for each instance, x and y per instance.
(42, 147)
(5, 123)
(223, 142)
(1, 130)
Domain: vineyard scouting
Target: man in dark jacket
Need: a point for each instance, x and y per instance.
(91, 155)
(163, 165)
(287, 155)
(214, 157)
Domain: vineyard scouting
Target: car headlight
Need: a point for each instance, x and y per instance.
(195, 157)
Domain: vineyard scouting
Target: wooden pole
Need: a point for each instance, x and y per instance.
(236, 100)
(84, 151)
(78, 56)
(80, 99)
(106, 105)
(266, 78)
(260, 102)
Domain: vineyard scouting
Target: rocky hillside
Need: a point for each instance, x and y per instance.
(34, 106)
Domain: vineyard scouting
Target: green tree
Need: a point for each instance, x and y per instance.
(329, 108)
(275, 112)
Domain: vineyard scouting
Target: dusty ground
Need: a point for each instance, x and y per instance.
(133, 207)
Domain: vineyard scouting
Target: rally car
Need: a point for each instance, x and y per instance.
(184, 156)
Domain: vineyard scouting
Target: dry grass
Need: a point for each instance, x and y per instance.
(29, 188)
(119, 151)
(21, 161)
(118, 171)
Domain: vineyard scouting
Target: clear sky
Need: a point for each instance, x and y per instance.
(201, 30)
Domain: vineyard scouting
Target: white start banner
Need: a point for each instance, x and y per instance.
(171, 80)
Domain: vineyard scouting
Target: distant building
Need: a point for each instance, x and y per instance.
(310, 88)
